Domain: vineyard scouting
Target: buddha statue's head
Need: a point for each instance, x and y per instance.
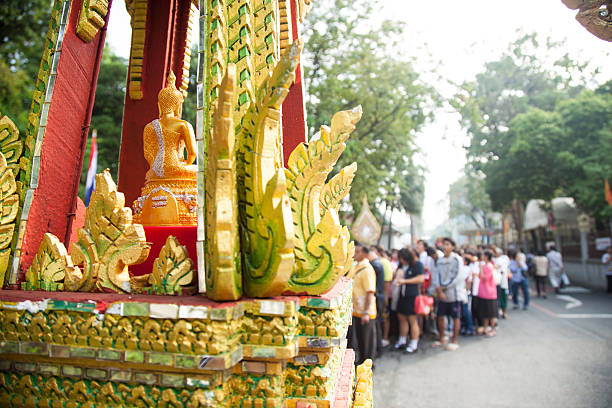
(170, 99)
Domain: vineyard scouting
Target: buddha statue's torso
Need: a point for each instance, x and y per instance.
(164, 148)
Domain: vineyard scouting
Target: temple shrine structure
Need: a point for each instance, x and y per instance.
(215, 271)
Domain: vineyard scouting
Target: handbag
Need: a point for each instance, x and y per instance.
(422, 305)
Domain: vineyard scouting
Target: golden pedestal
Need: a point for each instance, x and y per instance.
(167, 202)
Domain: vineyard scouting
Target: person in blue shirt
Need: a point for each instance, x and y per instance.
(519, 280)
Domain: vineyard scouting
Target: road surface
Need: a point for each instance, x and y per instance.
(556, 354)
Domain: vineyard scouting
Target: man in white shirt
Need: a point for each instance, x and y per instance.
(448, 286)
(502, 266)
(555, 267)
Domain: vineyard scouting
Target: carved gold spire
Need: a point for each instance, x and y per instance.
(322, 245)
(265, 210)
(366, 228)
(223, 267)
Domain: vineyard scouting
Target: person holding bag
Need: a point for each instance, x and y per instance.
(487, 294)
(408, 291)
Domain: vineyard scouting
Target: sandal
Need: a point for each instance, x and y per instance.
(491, 333)
(451, 347)
(437, 344)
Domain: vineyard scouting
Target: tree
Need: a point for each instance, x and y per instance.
(23, 28)
(468, 198)
(366, 71)
(107, 114)
(508, 113)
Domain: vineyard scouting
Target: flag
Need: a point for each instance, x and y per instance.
(90, 183)
(608, 193)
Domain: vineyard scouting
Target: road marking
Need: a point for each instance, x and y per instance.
(566, 320)
(575, 289)
(586, 316)
(572, 301)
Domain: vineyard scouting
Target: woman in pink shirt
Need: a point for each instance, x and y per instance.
(487, 294)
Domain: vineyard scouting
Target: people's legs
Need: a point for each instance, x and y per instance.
(441, 327)
(386, 324)
(353, 337)
(456, 328)
(380, 304)
(543, 280)
(525, 289)
(414, 333)
(403, 330)
(538, 282)
(414, 327)
(609, 279)
(466, 317)
(366, 339)
(515, 289)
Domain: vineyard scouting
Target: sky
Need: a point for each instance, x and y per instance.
(462, 36)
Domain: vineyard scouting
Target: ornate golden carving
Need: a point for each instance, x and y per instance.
(363, 387)
(365, 228)
(173, 271)
(322, 245)
(138, 12)
(91, 18)
(29, 390)
(9, 204)
(223, 268)
(10, 144)
(108, 243)
(50, 265)
(265, 211)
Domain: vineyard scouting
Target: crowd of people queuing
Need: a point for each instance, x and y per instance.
(442, 290)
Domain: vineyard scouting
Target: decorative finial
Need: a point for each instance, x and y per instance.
(171, 82)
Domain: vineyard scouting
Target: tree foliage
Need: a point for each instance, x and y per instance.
(347, 64)
(23, 27)
(536, 130)
(468, 198)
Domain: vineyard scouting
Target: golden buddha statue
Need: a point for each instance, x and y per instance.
(169, 196)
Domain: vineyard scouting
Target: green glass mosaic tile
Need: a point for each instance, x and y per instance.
(49, 369)
(219, 313)
(320, 303)
(72, 371)
(113, 355)
(123, 376)
(135, 309)
(95, 373)
(160, 358)
(40, 349)
(169, 380)
(82, 352)
(145, 378)
(80, 307)
(184, 362)
(60, 351)
(9, 347)
(57, 305)
(134, 356)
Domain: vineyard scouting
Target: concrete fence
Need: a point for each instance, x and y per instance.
(590, 274)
